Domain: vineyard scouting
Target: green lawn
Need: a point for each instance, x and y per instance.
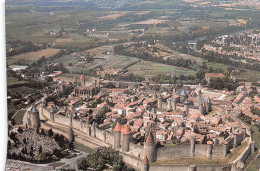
(18, 117)
(14, 81)
(157, 68)
(82, 148)
(56, 164)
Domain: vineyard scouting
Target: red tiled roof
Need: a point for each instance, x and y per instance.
(117, 127)
(126, 129)
(81, 77)
(150, 139)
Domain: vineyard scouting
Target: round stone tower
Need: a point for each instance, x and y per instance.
(253, 147)
(186, 106)
(154, 95)
(150, 148)
(35, 118)
(126, 133)
(146, 164)
(52, 111)
(70, 119)
(93, 127)
(71, 135)
(192, 147)
(117, 135)
(208, 105)
(169, 105)
(209, 149)
(159, 102)
(174, 104)
(201, 110)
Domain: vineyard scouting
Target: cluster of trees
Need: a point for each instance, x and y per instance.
(225, 83)
(189, 79)
(180, 62)
(101, 158)
(255, 111)
(19, 46)
(127, 77)
(101, 116)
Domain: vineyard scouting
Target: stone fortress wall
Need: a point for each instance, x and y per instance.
(135, 155)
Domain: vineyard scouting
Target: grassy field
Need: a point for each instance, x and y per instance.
(82, 148)
(151, 69)
(56, 164)
(32, 56)
(211, 95)
(18, 117)
(66, 60)
(14, 81)
(250, 75)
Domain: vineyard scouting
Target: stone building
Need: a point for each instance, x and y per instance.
(34, 118)
(83, 89)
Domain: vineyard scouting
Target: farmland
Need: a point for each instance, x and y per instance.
(32, 56)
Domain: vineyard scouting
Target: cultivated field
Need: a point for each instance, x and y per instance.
(112, 16)
(37, 55)
(64, 40)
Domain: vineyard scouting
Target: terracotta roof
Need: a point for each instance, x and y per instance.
(209, 142)
(146, 161)
(81, 77)
(150, 139)
(126, 129)
(117, 127)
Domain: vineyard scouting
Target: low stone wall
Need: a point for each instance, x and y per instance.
(184, 167)
(135, 162)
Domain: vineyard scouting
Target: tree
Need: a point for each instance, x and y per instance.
(216, 83)
(50, 133)
(82, 163)
(48, 79)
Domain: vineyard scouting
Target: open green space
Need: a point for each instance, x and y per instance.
(82, 148)
(56, 164)
(14, 81)
(152, 69)
(18, 117)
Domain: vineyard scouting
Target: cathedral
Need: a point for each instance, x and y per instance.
(81, 89)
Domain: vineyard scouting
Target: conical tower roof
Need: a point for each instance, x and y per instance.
(146, 161)
(34, 110)
(81, 77)
(149, 138)
(117, 127)
(126, 129)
